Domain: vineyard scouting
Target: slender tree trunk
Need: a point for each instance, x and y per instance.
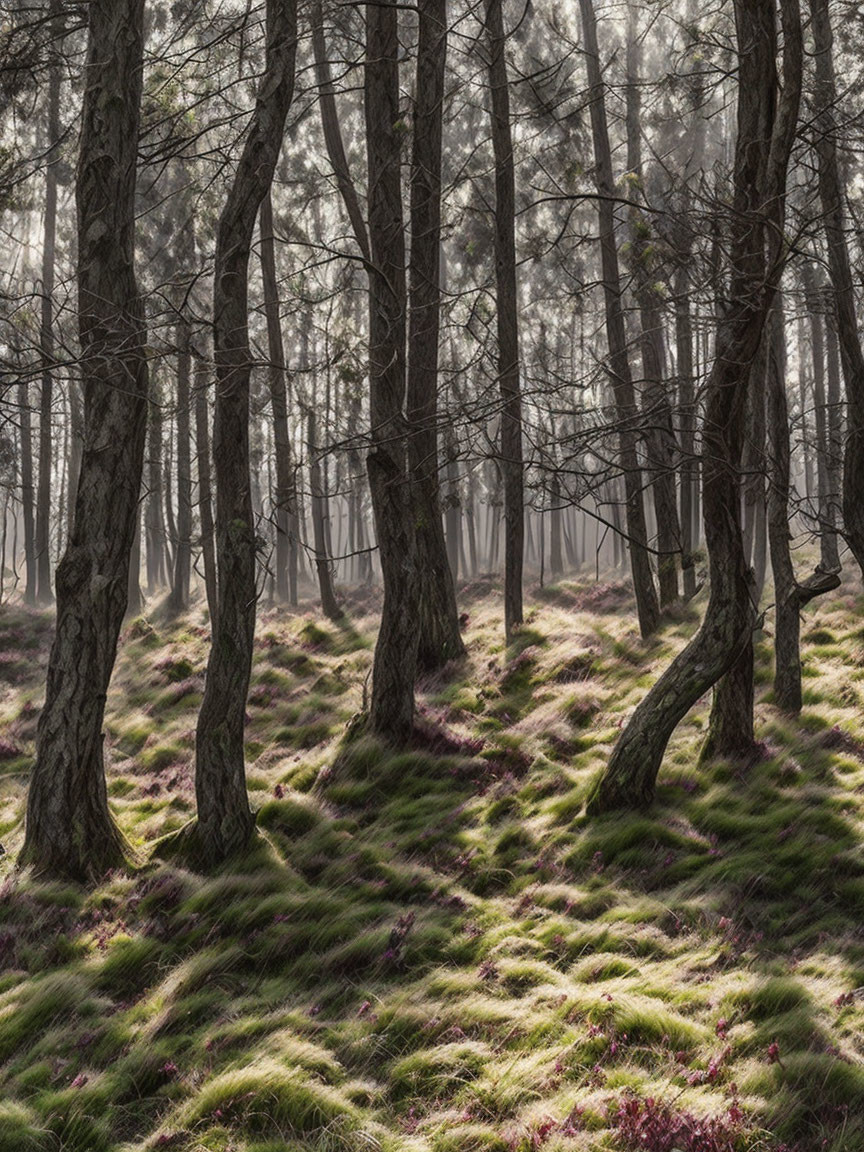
(813, 296)
(329, 603)
(225, 821)
(507, 318)
(687, 409)
(154, 515)
(69, 827)
(25, 467)
(134, 599)
(660, 446)
(438, 618)
(556, 560)
(391, 709)
(767, 119)
(851, 355)
(178, 601)
(44, 593)
(76, 441)
(626, 412)
(284, 495)
(205, 487)
(835, 417)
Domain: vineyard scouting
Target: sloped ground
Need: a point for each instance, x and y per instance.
(433, 950)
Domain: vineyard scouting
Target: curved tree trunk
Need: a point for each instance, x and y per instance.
(69, 828)
(626, 412)
(767, 118)
(225, 821)
(438, 617)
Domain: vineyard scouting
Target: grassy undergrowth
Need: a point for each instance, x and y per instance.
(434, 951)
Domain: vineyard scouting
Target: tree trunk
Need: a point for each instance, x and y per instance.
(44, 593)
(225, 821)
(830, 555)
(556, 559)
(178, 601)
(391, 709)
(851, 356)
(835, 416)
(767, 118)
(25, 435)
(626, 413)
(507, 318)
(69, 827)
(438, 617)
(205, 487)
(284, 496)
(154, 515)
(329, 603)
(659, 437)
(687, 409)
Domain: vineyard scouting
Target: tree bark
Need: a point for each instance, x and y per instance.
(813, 297)
(851, 355)
(225, 821)
(391, 710)
(25, 472)
(507, 318)
(626, 412)
(767, 119)
(329, 603)
(205, 487)
(438, 617)
(154, 514)
(285, 498)
(69, 827)
(44, 592)
(178, 601)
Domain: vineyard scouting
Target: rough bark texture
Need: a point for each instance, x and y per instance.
(507, 319)
(69, 828)
(438, 617)
(851, 355)
(329, 603)
(626, 412)
(25, 473)
(225, 821)
(766, 128)
(391, 709)
(285, 497)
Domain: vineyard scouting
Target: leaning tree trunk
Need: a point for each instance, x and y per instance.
(391, 710)
(69, 827)
(626, 412)
(507, 319)
(438, 617)
(767, 119)
(225, 821)
(285, 498)
(44, 592)
(833, 215)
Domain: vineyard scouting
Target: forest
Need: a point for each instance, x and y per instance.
(431, 551)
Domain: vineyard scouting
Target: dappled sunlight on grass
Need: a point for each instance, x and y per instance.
(434, 950)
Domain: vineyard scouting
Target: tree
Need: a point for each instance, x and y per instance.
(766, 125)
(70, 831)
(225, 821)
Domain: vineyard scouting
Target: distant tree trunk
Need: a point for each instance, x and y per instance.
(225, 821)
(25, 435)
(154, 515)
(851, 356)
(835, 416)
(753, 466)
(391, 709)
(134, 599)
(507, 318)
(830, 555)
(329, 603)
(76, 439)
(687, 408)
(69, 828)
(626, 412)
(660, 446)
(178, 601)
(205, 487)
(438, 618)
(767, 119)
(284, 496)
(453, 513)
(44, 592)
(556, 560)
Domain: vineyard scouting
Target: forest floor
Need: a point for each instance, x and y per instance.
(435, 951)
